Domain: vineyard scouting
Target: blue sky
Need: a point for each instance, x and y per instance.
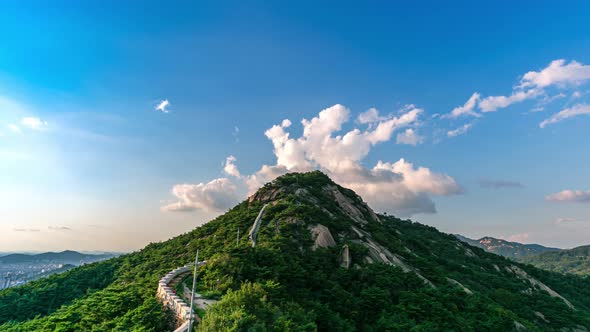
(94, 165)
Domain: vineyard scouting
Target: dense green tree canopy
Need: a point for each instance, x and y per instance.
(282, 284)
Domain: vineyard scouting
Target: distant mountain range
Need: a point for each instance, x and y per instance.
(575, 260)
(64, 257)
(505, 248)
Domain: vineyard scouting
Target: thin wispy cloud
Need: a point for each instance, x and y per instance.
(459, 131)
(59, 228)
(534, 85)
(499, 184)
(30, 230)
(163, 106)
(576, 110)
(235, 133)
(14, 128)
(467, 109)
(563, 220)
(409, 137)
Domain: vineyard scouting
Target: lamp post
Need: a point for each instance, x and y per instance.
(192, 313)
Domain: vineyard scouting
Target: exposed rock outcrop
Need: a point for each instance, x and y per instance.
(525, 276)
(348, 206)
(266, 196)
(519, 327)
(379, 253)
(321, 236)
(455, 282)
(540, 315)
(345, 257)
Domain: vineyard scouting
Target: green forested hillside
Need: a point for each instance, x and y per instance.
(576, 261)
(403, 276)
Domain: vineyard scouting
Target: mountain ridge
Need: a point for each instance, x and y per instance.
(377, 272)
(575, 260)
(510, 249)
(68, 256)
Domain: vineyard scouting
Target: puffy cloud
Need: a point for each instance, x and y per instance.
(467, 109)
(557, 73)
(493, 103)
(409, 137)
(398, 187)
(320, 147)
(578, 196)
(370, 116)
(215, 196)
(579, 109)
(459, 131)
(421, 179)
(264, 175)
(230, 167)
(163, 106)
(498, 184)
(386, 190)
(33, 123)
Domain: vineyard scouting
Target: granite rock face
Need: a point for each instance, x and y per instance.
(321, 236)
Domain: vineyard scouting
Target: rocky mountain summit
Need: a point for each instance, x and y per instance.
(305, 254)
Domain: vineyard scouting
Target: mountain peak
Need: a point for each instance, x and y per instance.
(289, 184)
(317, 190)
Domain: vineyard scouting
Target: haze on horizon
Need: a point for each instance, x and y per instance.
(120, 127)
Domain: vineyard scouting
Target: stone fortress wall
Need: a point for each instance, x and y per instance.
(173, 302)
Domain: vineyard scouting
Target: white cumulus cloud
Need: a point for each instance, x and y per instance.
(557, 73)
(230, 167)
(399, 187)
(215, 196)
(578, 196)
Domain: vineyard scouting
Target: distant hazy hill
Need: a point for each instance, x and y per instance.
(505, 248)
(575, 260)
(64, 257)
